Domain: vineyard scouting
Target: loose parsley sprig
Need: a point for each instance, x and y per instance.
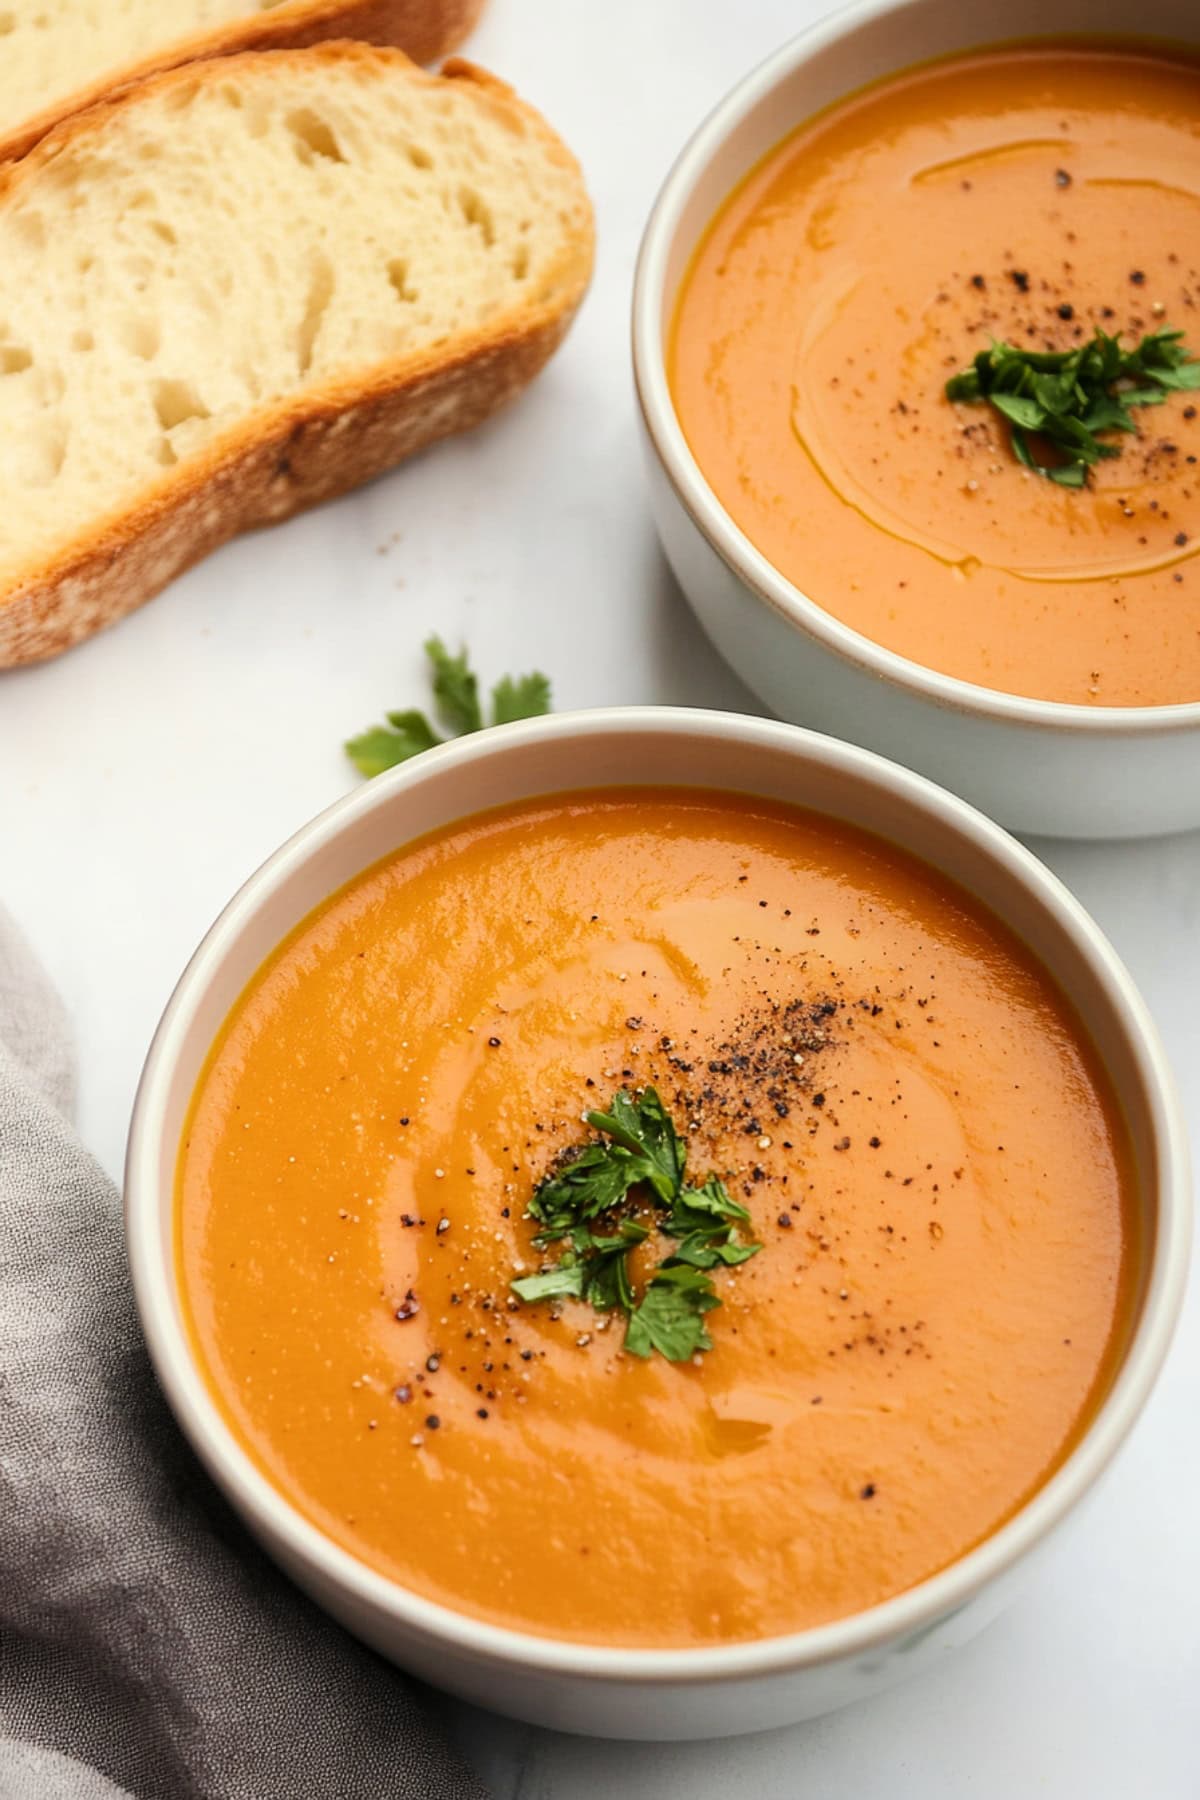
(1067, 397)
(456, 692)
(638, 1149)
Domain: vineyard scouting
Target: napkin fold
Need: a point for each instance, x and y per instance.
(147, 1647)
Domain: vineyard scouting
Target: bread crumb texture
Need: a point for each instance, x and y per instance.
(296, 231)
(51, 49)
(57, 56)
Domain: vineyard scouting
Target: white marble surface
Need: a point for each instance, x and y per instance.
(143, 776)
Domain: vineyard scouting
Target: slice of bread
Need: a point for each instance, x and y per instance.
(247, 285)
(59, 56)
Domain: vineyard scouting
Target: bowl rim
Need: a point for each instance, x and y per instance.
(727, 539)
(302, 1545)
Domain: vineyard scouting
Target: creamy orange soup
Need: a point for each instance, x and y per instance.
(926, 1144)
(1027, 194)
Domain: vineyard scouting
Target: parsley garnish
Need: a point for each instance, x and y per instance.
(456, 692)
(520, 697)
(455, 688)
(1068, 396)
(594, 1269)
(670, 1318)
(643, 1131)
(643, 1152)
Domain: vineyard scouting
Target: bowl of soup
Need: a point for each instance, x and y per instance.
(865, 273)
(654, 1217)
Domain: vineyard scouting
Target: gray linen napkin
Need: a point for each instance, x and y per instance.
(147, 1648)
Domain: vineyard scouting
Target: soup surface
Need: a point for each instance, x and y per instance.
(897, 1093)
(1024, 194)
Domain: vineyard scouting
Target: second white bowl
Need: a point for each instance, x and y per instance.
(1036, 765)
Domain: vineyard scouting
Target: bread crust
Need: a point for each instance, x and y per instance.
(305, 449)
(425, 30)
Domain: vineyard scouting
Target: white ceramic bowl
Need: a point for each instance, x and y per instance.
(1036, 765)
(641, 1693)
